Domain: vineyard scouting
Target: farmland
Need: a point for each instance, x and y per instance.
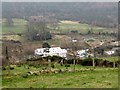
(59, 45)
(18, 26)
(83, 78)
(65, 26)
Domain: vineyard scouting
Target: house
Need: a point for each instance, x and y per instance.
(84, 53)
(114, 50)
(110, 52)
(57, 51)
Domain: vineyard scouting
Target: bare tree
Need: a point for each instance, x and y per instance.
(9, 21)
(37, 29)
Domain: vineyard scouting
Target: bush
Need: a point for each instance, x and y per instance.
(87, 63)
(11, 68)
(44, 68)
(30, 65)
(36, 66)
(3, 68)
(56, 58)
(70, 61)
(46, 45)
(79, 61)
(19, 65)
(67, 65)
(61, 64)
(53, 66)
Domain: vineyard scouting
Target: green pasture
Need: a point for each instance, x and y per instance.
(81, 28)
(20, 26)
(97, 78)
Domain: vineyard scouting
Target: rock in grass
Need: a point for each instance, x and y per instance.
(3, 68)
(25, 76)
(71, 70)
(36, 74)
(30, 72)
(44, 71)
(52, 71)
(84, 83)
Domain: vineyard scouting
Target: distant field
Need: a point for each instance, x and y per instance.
(70, 22)
(64, 27)
(18, 27)
(99, 78)
(67, 26)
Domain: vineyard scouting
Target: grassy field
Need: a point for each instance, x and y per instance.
(18, 26)
(64, 27)
(98, 78)
(67, 26)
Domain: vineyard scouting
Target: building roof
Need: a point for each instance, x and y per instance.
(53, 50)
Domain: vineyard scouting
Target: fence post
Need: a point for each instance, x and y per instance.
(74, 63)
(49, 61)
(7, 58)
(93, 61)
(114, 63)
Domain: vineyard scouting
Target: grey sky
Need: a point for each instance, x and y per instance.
(59, 0)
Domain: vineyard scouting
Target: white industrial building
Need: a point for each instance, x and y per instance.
(57, 51)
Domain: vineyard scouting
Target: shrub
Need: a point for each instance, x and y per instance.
(79, 61)
(30, 65)
(53, 66)
(3, 68)
(67, 65)
(55, 58)
(70, 61)
(19, 65)
(61, 64)
(11, 68)
(36, 66)
(44, 68)
(87, 63)
(46, 45)
(60, 71)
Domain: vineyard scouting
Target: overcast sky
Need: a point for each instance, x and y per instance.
(59, 0)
